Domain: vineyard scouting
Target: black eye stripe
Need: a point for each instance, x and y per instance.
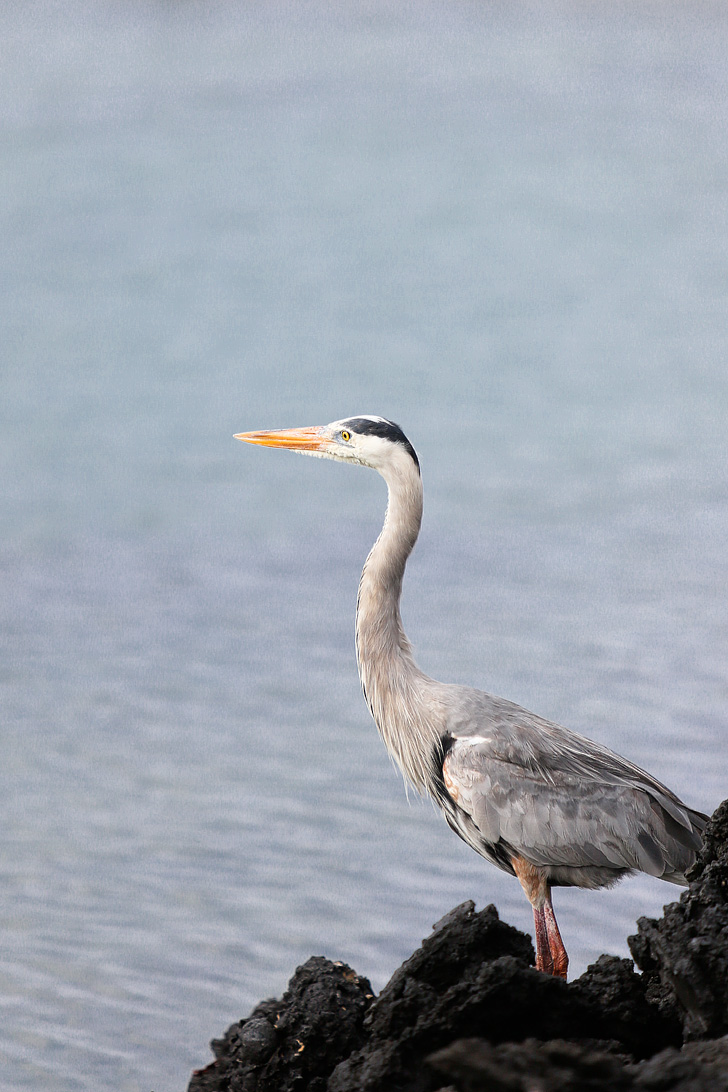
(388, 430)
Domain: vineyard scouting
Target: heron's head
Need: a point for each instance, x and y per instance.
(366, 440)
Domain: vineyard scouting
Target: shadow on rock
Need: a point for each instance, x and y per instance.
(474, 1065)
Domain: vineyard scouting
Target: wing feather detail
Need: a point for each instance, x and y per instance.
(565, 803)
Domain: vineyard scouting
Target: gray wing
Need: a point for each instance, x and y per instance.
(562, 802)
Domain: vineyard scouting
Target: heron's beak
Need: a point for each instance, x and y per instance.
(297, 439)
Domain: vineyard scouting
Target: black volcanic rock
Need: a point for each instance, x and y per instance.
(616, 1004)
(441, 975)
(467, 1012)
(698, 1067)
(292, 1044)
(489, 991)
(475, 1065)
(686, 951)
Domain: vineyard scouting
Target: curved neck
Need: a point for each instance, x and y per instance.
(393, 685)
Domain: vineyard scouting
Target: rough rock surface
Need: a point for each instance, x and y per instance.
(468, 1012)
(687, 949)
(491, 989)
(294, 1043)
(475, 1065)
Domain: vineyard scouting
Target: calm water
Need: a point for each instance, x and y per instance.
(503, 226)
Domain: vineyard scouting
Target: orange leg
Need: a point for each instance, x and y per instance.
(551, 957)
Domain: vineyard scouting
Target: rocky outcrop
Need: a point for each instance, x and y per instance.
(294, 1043)
(686, 950)
(467, 1012)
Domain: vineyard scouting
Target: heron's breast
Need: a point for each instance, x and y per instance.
(449, 781)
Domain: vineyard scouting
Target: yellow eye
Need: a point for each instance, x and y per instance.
(346, 436)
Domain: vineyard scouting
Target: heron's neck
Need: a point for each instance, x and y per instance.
(394, 687)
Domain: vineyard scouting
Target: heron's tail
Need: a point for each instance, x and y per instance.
(683, 843)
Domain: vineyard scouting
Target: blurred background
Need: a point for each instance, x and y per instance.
(502, 225)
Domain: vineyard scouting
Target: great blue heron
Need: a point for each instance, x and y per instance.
(539, 801)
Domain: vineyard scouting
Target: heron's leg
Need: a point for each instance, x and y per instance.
(555, 943)
(551, 957)
(544, 961)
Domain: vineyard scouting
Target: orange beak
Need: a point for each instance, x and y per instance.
(296, 439)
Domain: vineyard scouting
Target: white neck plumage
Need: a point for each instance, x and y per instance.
(395, 688)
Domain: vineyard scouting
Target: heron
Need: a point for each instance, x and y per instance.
(541, 802)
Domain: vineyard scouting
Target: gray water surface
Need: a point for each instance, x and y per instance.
(503, 226)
